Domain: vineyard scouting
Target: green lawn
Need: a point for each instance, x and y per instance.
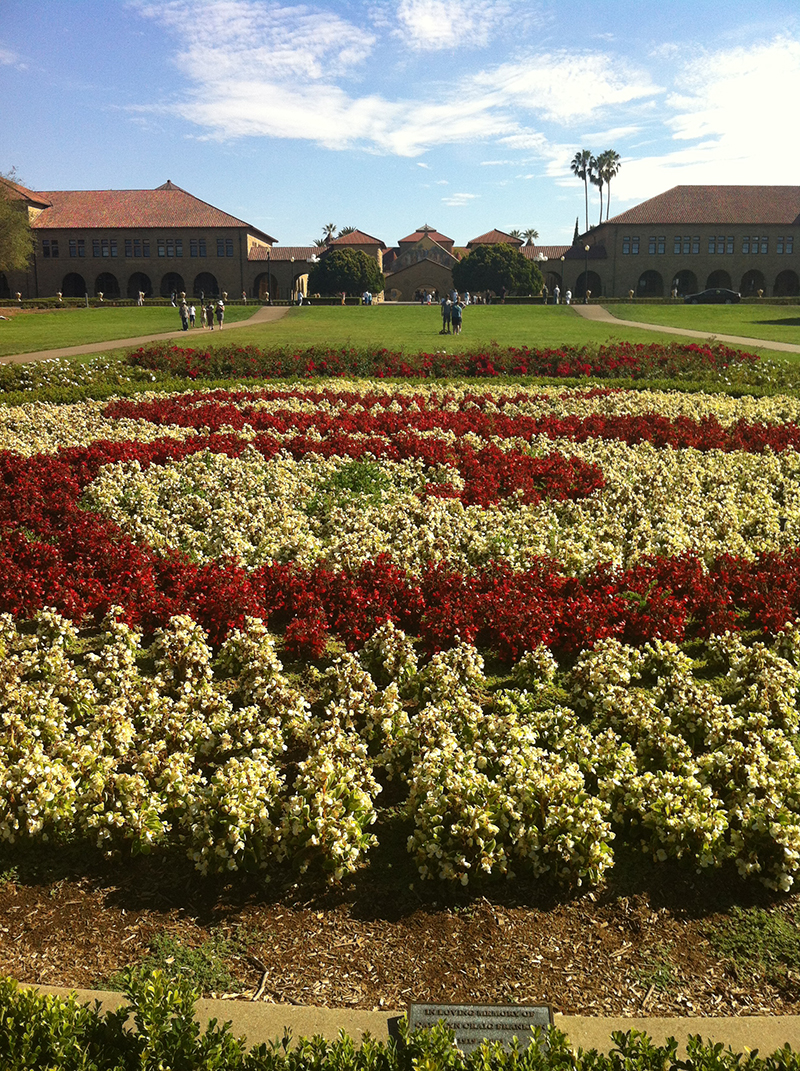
(777, 323)
(27, 332)
(415, 328)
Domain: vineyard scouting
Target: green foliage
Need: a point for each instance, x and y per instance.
(16, 238)
(205, 965)
(766, 943)
(497, 268)
(348, 270)
(48, 1032)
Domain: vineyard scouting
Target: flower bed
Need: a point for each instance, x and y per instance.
(629, 561)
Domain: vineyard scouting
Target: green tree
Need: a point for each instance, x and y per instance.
(530, 235)
(16, 237)
(577, 235)
(608, 164)
(597, 178)
(580, 168)
(497, 268)
(348, 270)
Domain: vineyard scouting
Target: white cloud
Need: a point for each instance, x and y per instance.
(434, 25)
(563, 87)
(7, 57)
(459, 200)
(420, 164)
(727, 121)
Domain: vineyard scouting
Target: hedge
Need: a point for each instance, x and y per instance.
(40, 1031)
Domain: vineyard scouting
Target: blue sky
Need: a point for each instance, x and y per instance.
(463, 114)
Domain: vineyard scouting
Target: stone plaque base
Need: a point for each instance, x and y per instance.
(476, 1023)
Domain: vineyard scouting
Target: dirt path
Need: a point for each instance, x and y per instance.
(266, 314)
(601, 315)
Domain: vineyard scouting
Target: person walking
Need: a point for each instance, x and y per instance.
(456, 317)
(556, 294)
(210, 315)
(545, 293)
(568, 297)
(184, 311)
(192, 315)
(447, 313)
(220, 313)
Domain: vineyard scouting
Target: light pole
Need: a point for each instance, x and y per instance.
(291, 278)
(586, 275)
(269, 276)
(562, 278)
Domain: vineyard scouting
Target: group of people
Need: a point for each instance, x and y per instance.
(207, 314)
(557, 295)
(452, 313)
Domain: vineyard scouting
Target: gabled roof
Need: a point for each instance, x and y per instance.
(284, 252)
(357, 237)
(166, 206)
(419, 234)
(718, 204)
(15, 192)
(494, 237)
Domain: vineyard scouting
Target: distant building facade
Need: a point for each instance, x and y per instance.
(692, 238)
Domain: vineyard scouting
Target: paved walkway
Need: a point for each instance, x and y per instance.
(259, 1021)
(265, 315)
(601, 315)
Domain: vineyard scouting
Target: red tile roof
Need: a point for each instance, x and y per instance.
(357, 238)
(15, 192)
(418, 235)
(167, 206)
(550, 252)
(494, 237)
(718, 204)
(284, 252)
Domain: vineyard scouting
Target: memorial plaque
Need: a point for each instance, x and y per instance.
(476, 1023)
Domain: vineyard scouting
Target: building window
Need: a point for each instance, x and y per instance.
(162, 248)
(712, 244)
(220, 247)
(145, 247)
(662, 243)
(634, 245)
(746, 245)
(203, 247)
(128, 247)
(178, 247)
(170, 247)
(676, 245)
(789, 243)
(651, 245)
(687, 243)
(229, 247)
(779, 244)
(729, 241)
(104, 246)
(696, 243)
(95, 247)
(765, 244)
(192, 247)
(49, 247)
(626, 244)
(113, 247)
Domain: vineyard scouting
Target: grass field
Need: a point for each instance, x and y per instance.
(416, 328)
(778, 323)
(410, 328)
(27, 332)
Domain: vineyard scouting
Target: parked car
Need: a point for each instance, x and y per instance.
(713, 297)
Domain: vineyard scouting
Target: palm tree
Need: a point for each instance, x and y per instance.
(320, 242)
(609, 163)
(597, 179)
(530, 235)
(580, 168)
(328, 232)
(345, 230)
(516, 233)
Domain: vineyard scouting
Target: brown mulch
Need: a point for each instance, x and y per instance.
(375, 944)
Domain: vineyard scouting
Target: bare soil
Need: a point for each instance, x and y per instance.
(636, 947)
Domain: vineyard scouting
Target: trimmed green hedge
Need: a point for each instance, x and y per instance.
(47, 1032)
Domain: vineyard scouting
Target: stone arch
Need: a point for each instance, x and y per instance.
(5, 289)
(650, 284)
(719, 280)
(787, 284)
(685, 282)
(73, 285)
(265, 286)
(172, 283)
(590, 281)
(139, 281)
(553, 280)
(206, 284)
(107, 285)
(752, 282)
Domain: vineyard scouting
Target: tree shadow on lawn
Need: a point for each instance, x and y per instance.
(794, 321)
